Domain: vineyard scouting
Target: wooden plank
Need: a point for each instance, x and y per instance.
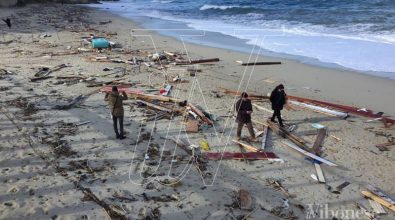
(320, 174)
(306, 153)
(340, 187)
(262, 108)
(246, 146)
(154, 97)
(158, 107)
(192, 126)
(377, 208)
(200, 113)
(319, 140)
(380, 193)
(319, 109)
(245, 199)
(260, 63)
(386, 144)
(198, 61)
(379, 200)
(265, 134)
(239, 156)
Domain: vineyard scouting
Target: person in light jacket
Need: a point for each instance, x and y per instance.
(115, 101)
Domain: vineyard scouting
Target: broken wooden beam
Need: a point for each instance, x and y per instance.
(320, 174)
(197, 61)
(246, 146)
(245, 199)
(240, 156)
(264, 138)
(200, 114)
(319, 140)
(306, 153)
(157, 107)
(319, 109)
(260, 63)
(250, 94)
(377, 208)
(378, 199)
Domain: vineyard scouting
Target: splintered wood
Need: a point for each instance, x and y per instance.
(245, 199)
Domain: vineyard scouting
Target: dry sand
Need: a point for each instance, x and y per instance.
(39, 182)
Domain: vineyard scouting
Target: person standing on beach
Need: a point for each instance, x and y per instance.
(243, 108)
(278, 99)
(115, 101)
(8, 22)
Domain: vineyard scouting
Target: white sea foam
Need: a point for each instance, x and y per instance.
(349, 46)
(221, 7)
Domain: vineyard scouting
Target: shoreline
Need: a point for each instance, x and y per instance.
(363, 82)
(229, 41)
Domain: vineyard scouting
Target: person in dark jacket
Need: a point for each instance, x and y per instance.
(115, 100)
(8, 22)
(278, 99)
(243, 108)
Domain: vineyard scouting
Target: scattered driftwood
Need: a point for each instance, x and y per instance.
(90, 196)
(384, 147)
(200, 114)
(197, 61)
(277, 185)
(251, 95)
(340, 187)
(245, 199)
(46, 71)
(192, 126)
(240, 156)
(320, 174)
(380, 199)
(259, 63)
(319, 140)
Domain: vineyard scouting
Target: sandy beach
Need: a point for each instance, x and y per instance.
(55, 166)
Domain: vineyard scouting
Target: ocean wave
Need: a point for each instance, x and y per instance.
(163, 1)
(220, 7)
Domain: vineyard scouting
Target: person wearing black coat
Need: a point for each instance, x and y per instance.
(278, 99)
(243, 108)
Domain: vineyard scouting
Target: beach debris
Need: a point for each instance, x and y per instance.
(110, 209)
(366, 212)
(244, 199)
(200, 114)
(246, 146)
(313, 156)
(192, 126)
(264, 137)
(44, 72)
(377, 208)
(317, 146)
(380, 199)
(258, 63)
(197, 61)
(320, 174)
(100, 43)
(275, 183)
(319, 109)
(166, 90)
(204, 145)
(240, 156)
(340, 187)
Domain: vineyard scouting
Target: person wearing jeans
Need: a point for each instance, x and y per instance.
(278, 99)
(243, 108)
(115, 101)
